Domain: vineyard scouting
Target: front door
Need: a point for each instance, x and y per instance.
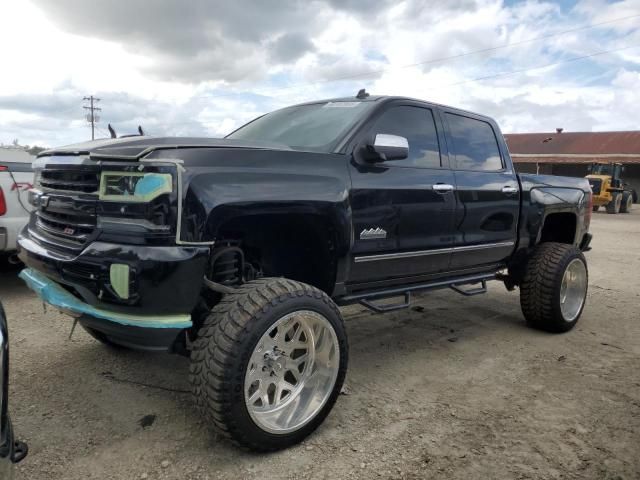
(402, 209)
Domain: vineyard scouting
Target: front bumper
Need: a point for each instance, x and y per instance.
(162, 280)
(163, 288)
(53, 294)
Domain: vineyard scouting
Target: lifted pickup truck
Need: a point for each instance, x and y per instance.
(237, 251)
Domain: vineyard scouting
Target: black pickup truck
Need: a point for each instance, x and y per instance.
(237, 251)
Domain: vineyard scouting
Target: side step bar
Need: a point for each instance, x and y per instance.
(366, 299)
(472, 291)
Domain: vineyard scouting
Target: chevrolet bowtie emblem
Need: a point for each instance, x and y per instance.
(373, 233)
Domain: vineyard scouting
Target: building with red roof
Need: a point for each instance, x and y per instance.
(571, 153)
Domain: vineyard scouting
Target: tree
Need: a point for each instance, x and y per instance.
(35, 150)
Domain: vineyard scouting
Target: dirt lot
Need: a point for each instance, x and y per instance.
(454, 388)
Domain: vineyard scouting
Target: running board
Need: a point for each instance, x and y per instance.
(367, 299)
(472, 291)
(387, 307)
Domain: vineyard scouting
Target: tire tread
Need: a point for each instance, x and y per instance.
(217, 346)
(540, 284)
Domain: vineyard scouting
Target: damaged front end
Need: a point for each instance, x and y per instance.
(103, 245)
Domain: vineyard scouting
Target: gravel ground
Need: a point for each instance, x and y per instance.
(454, 388)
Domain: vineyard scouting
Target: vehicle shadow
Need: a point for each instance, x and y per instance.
(80, 389)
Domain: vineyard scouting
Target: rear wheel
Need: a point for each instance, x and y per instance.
(269, 362)
(596, 208)
(627, 202)
(614, 205)
(554, 288)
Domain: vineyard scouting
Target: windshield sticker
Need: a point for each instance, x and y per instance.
(341, 104)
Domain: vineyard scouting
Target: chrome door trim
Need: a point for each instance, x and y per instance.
(392, 256)
(482, 246)
(436, 251)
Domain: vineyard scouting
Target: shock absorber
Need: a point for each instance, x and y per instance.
(226, 266)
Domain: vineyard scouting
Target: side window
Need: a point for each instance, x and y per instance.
(474, 144)
(419, 128)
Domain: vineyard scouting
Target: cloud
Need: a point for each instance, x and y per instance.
(200, 39)
(204, 68)
(289, 47)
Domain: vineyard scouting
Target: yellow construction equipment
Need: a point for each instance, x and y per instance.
(608, 189)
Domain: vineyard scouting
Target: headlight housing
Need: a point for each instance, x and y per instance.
(136, 187)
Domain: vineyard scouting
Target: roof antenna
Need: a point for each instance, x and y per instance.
(140, 131)
(362, 94)
(111, 131)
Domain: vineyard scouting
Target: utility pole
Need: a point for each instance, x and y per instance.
(92, 118)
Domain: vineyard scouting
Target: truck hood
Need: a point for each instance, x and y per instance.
(133, 148)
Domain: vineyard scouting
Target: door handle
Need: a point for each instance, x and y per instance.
(509, 190)
(442, 188)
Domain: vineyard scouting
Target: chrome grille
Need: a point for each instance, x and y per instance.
(71, 230)
(78, 180)
(66, 217)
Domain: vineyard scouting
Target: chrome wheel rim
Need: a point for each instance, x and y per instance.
(573, 289)
(292, 372)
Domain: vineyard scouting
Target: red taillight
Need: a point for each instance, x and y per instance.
(3, 204)
(3, 168)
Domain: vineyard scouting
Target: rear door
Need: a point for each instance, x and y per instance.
(487, 192)
(402, 224)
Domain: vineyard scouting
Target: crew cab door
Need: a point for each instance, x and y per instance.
(487, 192)
(402, 225)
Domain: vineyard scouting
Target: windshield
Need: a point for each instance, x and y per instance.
(316, 127)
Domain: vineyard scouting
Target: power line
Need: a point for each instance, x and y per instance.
(539, 67)
(436, 60)
(490, 49)
(91, 116)
(103, 131)
(505, 74)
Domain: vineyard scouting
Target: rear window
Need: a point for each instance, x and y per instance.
(474, 144)
(316, 127)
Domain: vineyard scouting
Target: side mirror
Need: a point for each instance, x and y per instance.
(388, 147)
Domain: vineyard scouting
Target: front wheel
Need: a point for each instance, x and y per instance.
(269, 362)
(554, 288)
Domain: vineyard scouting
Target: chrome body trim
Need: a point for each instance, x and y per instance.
(437, 251)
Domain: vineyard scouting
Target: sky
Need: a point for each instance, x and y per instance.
(203, 68)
